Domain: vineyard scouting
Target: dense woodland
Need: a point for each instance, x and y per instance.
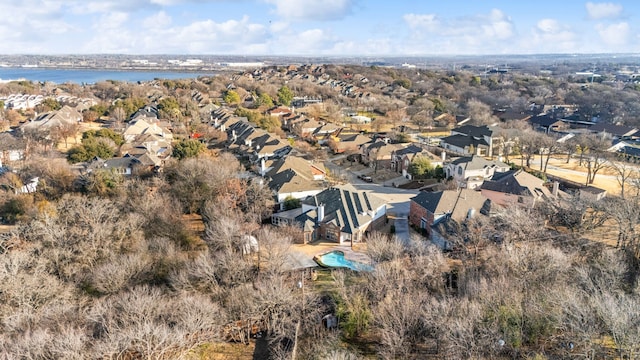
(102, 266)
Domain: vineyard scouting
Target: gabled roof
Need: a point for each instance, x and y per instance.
(476, 162)
(544, 120)
(355, 138)
(288, 181)
(629, 150)
(297, 164)
(463, 141)
(456, 203)
(346, 208)
(327, 128)
(474, 131)
(148, 111)
(517, 182)
(411, 149)
(615, 130)
(383, 147)
(66, 115)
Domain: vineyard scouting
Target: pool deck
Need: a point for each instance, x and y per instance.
(306, 252)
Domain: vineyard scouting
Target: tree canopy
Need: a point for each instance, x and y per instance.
(187, 148)
(285, 96)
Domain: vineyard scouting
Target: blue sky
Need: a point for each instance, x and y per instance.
(318, 27)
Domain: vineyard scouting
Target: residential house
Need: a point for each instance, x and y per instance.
(615, 131)
(515, 187)
(349, 143)
(404, 164)
(305, 128)
(279, 111)
(547, 124)
(401, 158)
(121, 165)
(507, 115)
(471, 172)
(21, 101)
(289, 121)
(337, 214)
(245, 139)
(293, 177)
(65, 116)
(428, 209)
(324, 133)
(378, 154)
(147, 111)
(469, 140)
(145, 125)
(11, 148)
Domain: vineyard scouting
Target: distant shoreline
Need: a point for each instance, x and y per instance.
(92, 75)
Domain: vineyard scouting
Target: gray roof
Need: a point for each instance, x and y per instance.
(347, 209)
(456, 203)
(474, 131)
(517, 182)
(478, 162)
(463, 140)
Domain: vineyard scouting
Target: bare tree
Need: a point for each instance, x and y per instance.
(625, 172)
(597, 157)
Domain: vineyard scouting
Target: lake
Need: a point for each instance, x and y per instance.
(89, 76)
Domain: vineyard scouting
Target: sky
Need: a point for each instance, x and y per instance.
(318, 27)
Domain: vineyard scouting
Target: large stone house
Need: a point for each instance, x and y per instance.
(293, 177)
(516, 187)
(429, 208)
(470, 172)
(337, 214)
(469, 140)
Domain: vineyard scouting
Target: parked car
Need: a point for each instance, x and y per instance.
(365, 178)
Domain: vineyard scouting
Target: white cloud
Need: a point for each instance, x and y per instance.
(603, 10)
(614, 34)
(427, 22)
(319, 10)
(159, 20)
(550, 36)
(476, 34)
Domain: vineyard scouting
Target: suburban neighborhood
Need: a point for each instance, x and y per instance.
(315, 203)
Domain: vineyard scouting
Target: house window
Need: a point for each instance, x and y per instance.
(331, 236)
(520, 199)
(460, 170)
(423, 223)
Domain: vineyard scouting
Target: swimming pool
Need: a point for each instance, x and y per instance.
(336, 259)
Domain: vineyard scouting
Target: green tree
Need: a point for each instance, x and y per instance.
(118, 139)
(101, 109)
(404, 82)
(49, 104)
(265, 99)
(291, 203)
(89, 149)
(168, 107)
(187, 148)
(285, 95)
(231, 97)
(420, 166)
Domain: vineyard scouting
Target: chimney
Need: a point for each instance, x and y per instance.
(263, 168)
(320, 211)
(556, 187)
(443, 154)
